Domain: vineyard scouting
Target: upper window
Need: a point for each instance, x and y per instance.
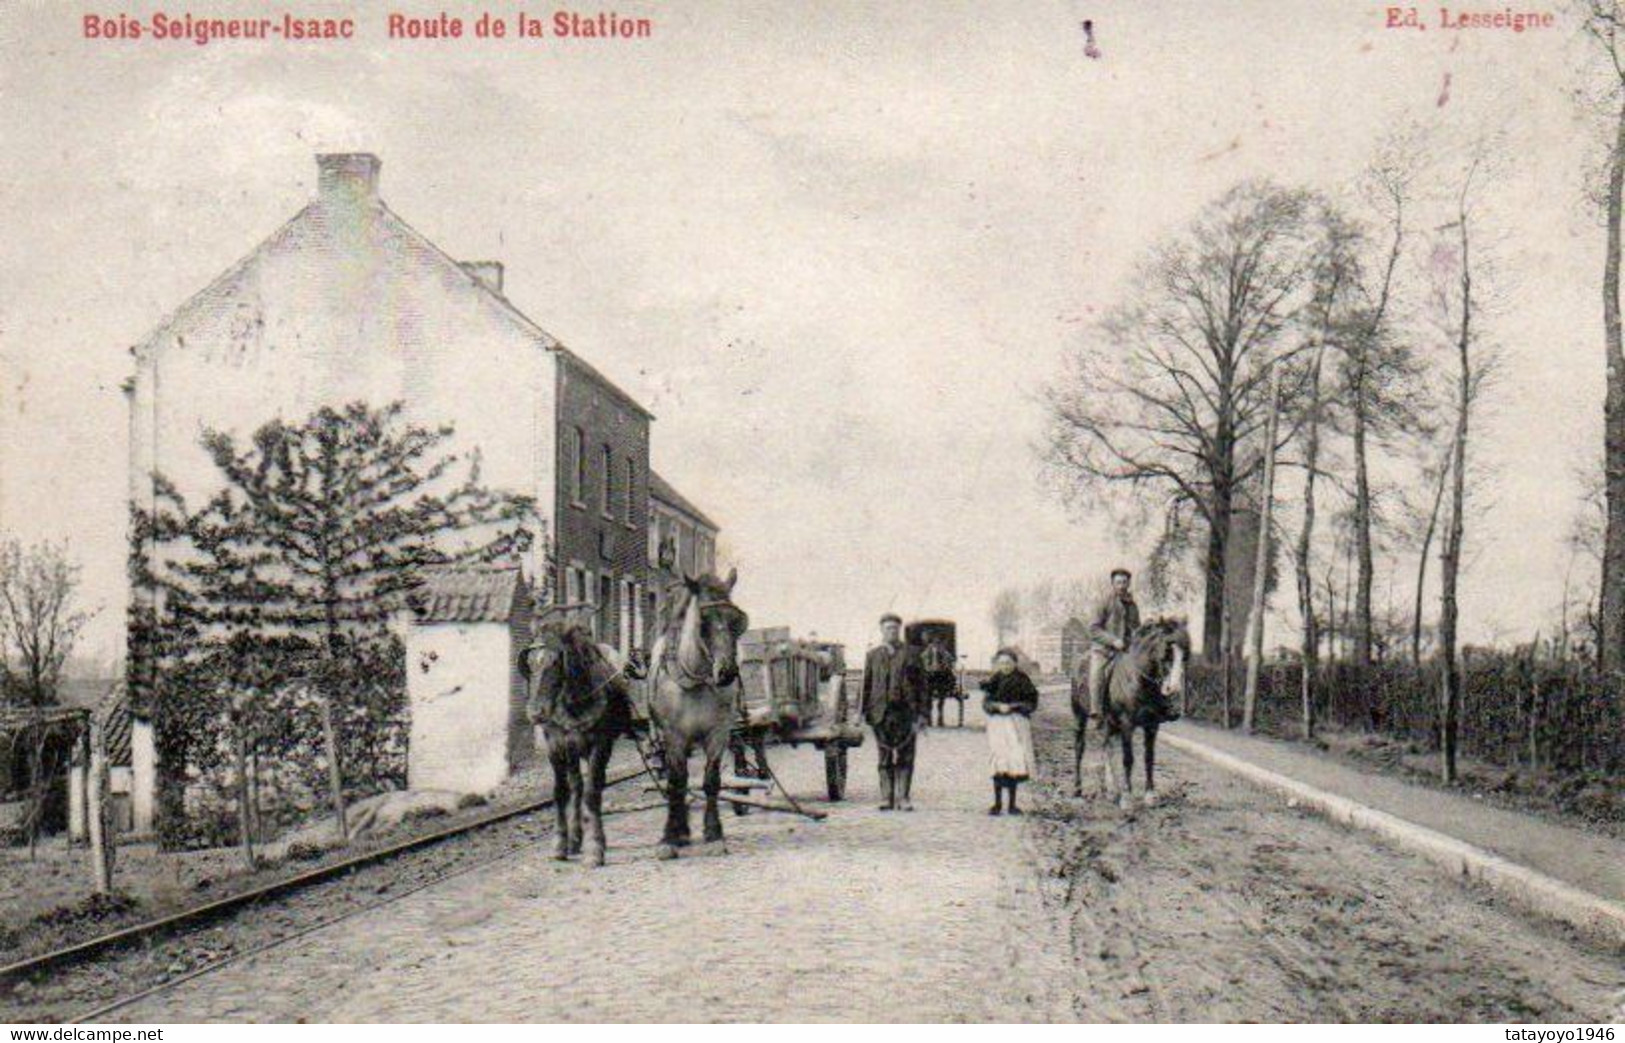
(629, 500)
(606, 503)
(578, 465)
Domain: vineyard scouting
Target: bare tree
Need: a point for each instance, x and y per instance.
(1158, 405)
(1460, 312)
(1006, 614)
(1335, 273)
(39, 626)
(1379, 375)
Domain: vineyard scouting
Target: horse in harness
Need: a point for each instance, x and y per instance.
(941, 684)
(578, 694)
(692, 697)
(1139, 682)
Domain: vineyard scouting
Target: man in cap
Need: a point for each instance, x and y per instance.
(894, 704)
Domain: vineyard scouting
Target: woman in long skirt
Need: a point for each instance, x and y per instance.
(1009, 699)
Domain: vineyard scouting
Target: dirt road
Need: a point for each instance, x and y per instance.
(1222, 904)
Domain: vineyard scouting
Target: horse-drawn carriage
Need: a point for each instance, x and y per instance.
(939, 657)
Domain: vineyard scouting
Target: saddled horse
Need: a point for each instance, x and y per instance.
(577, 696)
(1139, 682)
(692, 699)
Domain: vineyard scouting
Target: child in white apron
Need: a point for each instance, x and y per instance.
(1009, 700)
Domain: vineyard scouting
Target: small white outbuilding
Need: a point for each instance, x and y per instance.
(469, 730)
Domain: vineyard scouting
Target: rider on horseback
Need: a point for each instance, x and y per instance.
(1111, 629)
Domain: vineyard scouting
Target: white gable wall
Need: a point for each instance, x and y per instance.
(457, 681)
(346, 303)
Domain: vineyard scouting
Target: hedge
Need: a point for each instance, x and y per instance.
(1515, 712)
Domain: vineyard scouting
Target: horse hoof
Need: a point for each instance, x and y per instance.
(665, 852)
(681, 841)
(714, 838)
(1126, 802)
(561, 851)
(1150, 798)
(595, 856)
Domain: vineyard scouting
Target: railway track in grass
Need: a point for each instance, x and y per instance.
(154, 956)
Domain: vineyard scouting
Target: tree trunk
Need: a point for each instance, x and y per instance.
(1450, 560)
(1362, 543)
(335, 774)
(1215, 619)
(254, 792)
(1346, 629)
(1427, 547)
(1255, 616)
(329, 691)
(1362, 470)
(1612, 645)
(1213, 601)
(245, 819)
(1310, 648)
(1331, 613)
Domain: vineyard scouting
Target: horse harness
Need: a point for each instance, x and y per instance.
(672, 663)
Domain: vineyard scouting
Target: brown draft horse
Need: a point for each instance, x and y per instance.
(577, 696)
(692, 698)
(1139, 682)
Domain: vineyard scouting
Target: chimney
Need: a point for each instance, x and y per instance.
(347, 176)
(487, 272)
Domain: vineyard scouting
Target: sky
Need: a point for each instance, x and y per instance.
(837, 249)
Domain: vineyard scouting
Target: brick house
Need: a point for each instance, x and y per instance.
(602, 509)
(679, 533)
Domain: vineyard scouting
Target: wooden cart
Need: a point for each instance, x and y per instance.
(793, 691)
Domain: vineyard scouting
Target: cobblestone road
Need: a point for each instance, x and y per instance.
(933, 916)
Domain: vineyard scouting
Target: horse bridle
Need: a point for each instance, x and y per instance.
(689, 680)
(599, 687)
(1140, 675)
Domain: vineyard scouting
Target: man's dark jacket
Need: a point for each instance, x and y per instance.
(1115, 620)
(893, 676)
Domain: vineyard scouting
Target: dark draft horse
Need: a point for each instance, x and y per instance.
(693, 698)
(1139, 682)
(577, 695)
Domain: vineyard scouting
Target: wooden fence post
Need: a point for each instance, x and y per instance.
(98, 817)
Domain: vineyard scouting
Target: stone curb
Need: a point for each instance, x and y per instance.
(1532, 890)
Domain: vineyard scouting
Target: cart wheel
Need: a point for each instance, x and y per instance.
(835, 772)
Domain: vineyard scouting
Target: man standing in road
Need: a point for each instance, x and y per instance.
(894, 705)
(1110, 629)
